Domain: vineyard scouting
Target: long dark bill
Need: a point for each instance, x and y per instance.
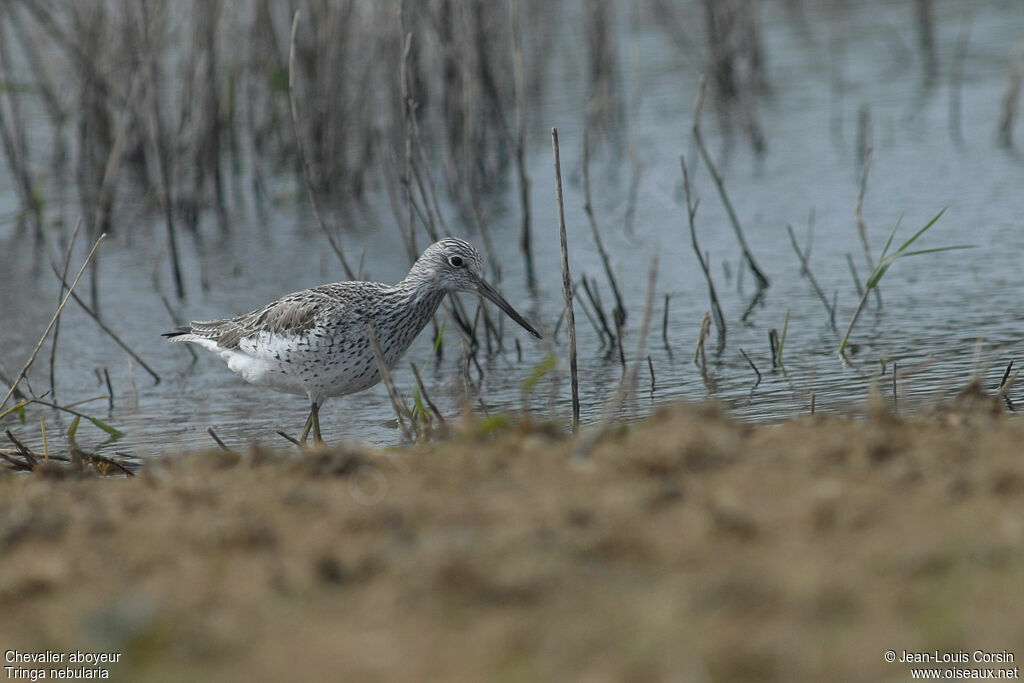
(488, 291)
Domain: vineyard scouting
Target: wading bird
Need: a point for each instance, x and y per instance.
(316, 343)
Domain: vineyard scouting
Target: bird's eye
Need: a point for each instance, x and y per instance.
(456, 261)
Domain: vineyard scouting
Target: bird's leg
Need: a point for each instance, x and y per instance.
(315, 415)
(309, 424)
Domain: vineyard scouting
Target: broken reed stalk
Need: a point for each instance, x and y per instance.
(806, 270)
(217, 439)
(306, 173)
(519, 89)
(762, 280)
(619, 312)
(600, 315)
(53, 321)
(627, 385)
(664, 324)
(426, 396)
(691, 213)
(782, 342)
(566, 285)
(754, 367)
(385, 375)
(895, 398)
(103, 326)
(700, 357)
(595, 302)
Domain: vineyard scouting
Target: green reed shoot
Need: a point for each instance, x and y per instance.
(886, 260)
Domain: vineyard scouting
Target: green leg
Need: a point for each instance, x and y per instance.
(315, 415)
(309, 424)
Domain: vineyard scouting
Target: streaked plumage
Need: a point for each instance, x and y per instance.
(315, 342)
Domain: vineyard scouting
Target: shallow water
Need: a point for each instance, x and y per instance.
(936, 307)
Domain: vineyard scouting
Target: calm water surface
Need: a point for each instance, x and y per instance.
(936, 307)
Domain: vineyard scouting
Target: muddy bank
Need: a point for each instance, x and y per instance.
(691, 547)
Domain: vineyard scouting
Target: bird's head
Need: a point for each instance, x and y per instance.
(456, 266)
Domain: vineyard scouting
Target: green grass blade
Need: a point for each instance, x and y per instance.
(920, 232)
(73, 429)
(892, 235)
(934, 250)
(113, 431)
(542, 369)
(15, 408)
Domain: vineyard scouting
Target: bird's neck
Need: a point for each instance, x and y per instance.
(418, 293)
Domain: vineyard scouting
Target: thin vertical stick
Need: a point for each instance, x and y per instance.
(60, 292)
(895, 397)
(566, 285)
(762, 280)
(691, 212)
(664, 323)
(335, 245)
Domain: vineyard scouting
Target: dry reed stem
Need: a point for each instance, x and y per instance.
(306, 173)
(806, 270)
(691, 213)
(53, 321)
(664, 324)
(217, 440)
(762, 280)
(604, 329)
(103, 326)
(627, 385)
(60, 293)
(700, 357)
(566, 285)
(754, 367)
(619, 312)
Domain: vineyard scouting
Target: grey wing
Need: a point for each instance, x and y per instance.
(293, 314)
